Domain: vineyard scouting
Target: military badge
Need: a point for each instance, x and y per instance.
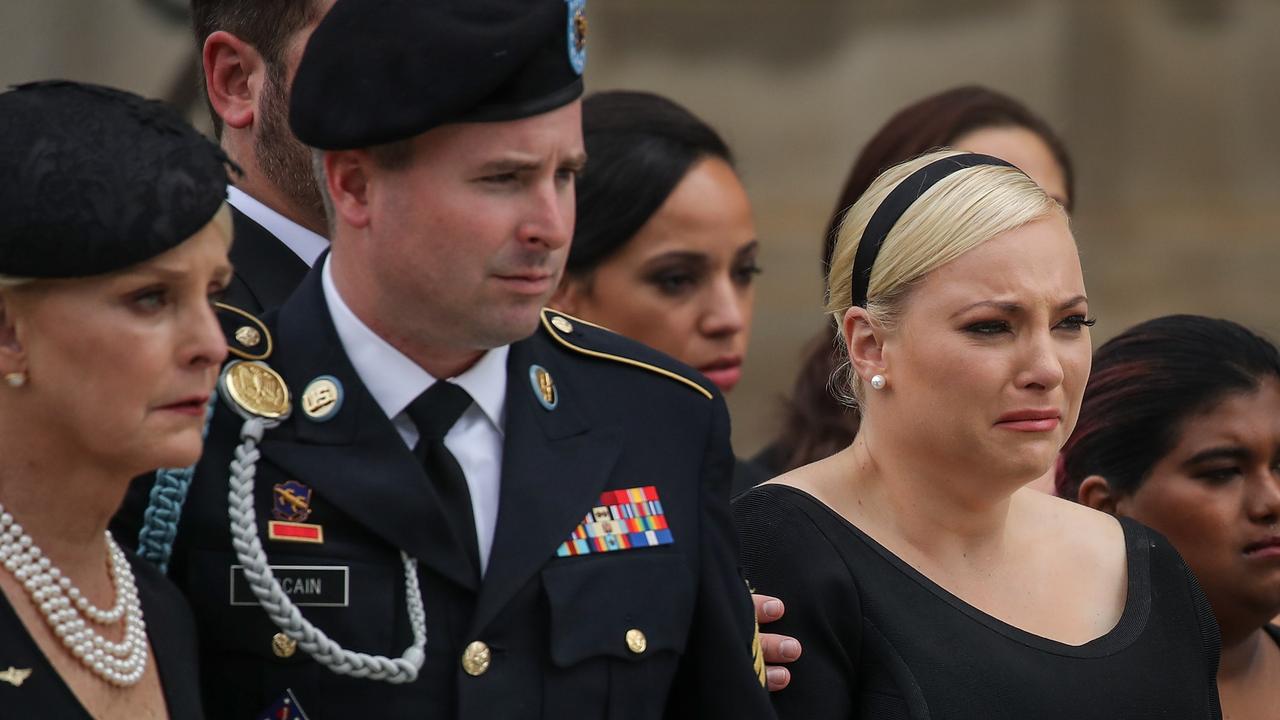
(322, 399)
(291, 501)
(285, 707)
(577, 34)
(290, 506)
(623, 520)
(254, 390)
(544, 388)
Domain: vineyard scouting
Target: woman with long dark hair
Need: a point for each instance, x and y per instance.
(1180, 430)
(664, 247)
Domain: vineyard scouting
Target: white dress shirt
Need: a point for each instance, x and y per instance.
(305, 244)
(394, 381)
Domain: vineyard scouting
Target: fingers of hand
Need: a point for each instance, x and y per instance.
(768, 608)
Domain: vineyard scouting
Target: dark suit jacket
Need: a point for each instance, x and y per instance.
(556, 626)
(266, 270)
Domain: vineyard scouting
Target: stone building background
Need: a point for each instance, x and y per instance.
(1169, 108)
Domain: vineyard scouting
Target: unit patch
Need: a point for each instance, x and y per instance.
(623, 520)
(291, 501)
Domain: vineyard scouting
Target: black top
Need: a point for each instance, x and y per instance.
(883, 641)
(170, 628)
(266, 270)
(555, 616)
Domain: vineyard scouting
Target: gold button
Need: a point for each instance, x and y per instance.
(636, 641)
(476, 658)
(248, 336)
(561, 324)
(283, 645)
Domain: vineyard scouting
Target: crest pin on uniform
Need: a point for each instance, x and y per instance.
(290, 506)
(577, 34)
(322, 399)
(255, 390)
(561, 324)
(544, 388)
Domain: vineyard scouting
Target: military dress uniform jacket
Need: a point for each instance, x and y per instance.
(659, 629)
(266, 270)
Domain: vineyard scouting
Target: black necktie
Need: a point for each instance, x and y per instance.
(434, 412)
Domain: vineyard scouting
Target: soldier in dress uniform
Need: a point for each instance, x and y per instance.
(423, 495)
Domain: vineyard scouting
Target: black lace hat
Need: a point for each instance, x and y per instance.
(94, 179)
(377, 71)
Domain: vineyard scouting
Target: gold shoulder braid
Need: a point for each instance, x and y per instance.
(560, 325)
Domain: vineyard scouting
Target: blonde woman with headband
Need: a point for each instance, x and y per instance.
(922, 578)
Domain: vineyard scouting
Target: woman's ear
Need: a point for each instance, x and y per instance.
(1096, 492)
(865, 341)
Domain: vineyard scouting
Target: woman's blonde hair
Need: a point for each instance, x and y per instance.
(959, 213)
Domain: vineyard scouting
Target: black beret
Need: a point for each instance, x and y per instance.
(377, 71)
(94, 179)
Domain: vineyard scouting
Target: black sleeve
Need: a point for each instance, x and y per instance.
(785, 554)
(1210, 635)
(717, 677)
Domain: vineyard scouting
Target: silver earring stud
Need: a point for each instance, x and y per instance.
(878, 382)
(15, 379)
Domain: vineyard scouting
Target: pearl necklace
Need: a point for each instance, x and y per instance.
(65, 609)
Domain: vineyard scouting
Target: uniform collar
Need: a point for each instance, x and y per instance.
(394, 380)
(304, 243)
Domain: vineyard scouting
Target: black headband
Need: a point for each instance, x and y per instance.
(899, 199)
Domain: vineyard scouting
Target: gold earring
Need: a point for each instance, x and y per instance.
(15, 379)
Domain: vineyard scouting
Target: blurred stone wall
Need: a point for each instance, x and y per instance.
(1167, 106)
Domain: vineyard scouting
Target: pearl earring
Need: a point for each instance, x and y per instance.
(878, 382)
(15, 379)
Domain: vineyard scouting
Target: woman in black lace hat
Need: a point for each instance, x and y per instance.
(113, 241)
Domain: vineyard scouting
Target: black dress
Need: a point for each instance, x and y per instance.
(883, 641)
(170, 628)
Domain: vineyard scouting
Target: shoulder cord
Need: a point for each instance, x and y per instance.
(164, 509)
(282, 611)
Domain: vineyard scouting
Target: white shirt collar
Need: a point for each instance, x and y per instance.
(304, 243)
(394, 380)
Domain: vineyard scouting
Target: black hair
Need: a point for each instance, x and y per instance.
(639, 146)
(1145, 383)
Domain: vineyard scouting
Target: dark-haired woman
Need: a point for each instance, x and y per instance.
(113, 238)
(971, 118)
(1180, 430)
(664, 249)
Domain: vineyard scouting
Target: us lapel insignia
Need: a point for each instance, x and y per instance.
(623, 520)
(15, 676)
(322, 399)
(544, 388)
(290, 506)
